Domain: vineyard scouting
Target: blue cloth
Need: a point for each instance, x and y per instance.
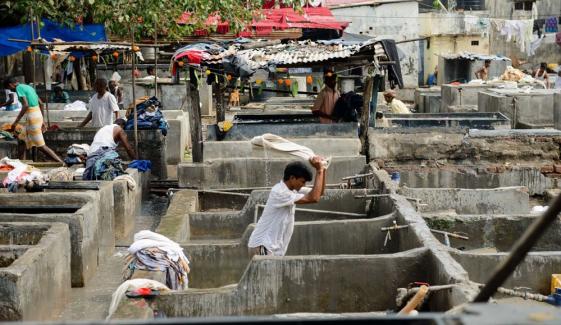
(49, 31)
(104, 164)
(432, 80)
(141, 165)
(149, 117)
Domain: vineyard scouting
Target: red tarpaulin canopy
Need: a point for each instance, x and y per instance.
(281, 18)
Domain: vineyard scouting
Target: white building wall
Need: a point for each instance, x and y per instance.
(397, 21)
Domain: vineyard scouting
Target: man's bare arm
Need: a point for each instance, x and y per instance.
(319, 183)
(122, 137)
(86, 120)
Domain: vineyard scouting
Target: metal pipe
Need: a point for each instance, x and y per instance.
(450, 234)
(519, 251)
(357, 176)
(226, 192)
(370, 196)
(349, 214)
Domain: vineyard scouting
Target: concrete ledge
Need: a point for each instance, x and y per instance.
(297, 284)
(244, 149)
(241, 132)
(505, 200)
(36, 284)
(254, 172)
(472, 178)
(91, 233)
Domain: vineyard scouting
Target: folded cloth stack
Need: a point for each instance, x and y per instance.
(76, 154)
(154, 252)
(149, 117)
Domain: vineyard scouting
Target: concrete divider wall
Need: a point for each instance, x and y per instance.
(220, 262)
(36, 285)
(244, 132)
(493, 231)
(557, 111)
(534, 272)
(458, 145)
(527, 110)
(254, 172)
(344, 147)
(464, 94)
(332, 284)
(467, 177)
(91, 235)
(506, 200)
(151, 145)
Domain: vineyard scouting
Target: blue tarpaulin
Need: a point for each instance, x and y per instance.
(49, 31)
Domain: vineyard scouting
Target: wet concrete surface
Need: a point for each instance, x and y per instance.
(92, 302)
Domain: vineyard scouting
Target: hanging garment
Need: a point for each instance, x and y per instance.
(519, 31)
(551, 25)
(558, 38)
(535, 44)
(280, 144)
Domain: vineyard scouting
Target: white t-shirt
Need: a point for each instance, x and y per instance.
(274, 228)
(103, 138)
(16, 105)
(103, 109)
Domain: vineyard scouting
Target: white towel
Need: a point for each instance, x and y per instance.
(275, 142)
(133, 285)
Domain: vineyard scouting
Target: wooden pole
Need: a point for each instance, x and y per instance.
(519, 251)
(220, 107)
(45, 82)
(32, 20)
(134, 93)
(365, 118)
(156, 50)
(195, 117)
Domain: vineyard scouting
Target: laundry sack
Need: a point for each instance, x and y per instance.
(274, 142)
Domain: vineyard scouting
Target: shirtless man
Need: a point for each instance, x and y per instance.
(483, 73)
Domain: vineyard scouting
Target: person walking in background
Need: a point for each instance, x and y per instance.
(32, 109)
(103, 108)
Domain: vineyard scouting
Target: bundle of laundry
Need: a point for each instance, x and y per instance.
(76, 106)
(141, 165)
(21, 174)
(274, 142)
(103, 164)
(76, 154)
(153, 252)
(149, 116)
(129, 285)
(61, 174)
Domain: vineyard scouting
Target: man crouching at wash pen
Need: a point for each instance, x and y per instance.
(103, 161)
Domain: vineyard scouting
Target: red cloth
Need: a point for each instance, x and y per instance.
(558, 38)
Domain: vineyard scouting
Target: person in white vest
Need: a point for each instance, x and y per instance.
(102, 106)
(273, 231)
(103, 148)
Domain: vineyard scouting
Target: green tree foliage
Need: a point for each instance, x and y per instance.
(119, 16)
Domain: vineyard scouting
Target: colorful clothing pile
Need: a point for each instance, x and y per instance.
(154, 252)
(551, 25)
(20, 174)
(103, 164)
(149, 117)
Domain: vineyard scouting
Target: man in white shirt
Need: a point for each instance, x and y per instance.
(103, 108)
(273, 231)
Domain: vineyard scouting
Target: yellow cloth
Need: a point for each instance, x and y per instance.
(398, 107)
(34, 134)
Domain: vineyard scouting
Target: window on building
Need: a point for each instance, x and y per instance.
(524, 5)
(474, 43)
